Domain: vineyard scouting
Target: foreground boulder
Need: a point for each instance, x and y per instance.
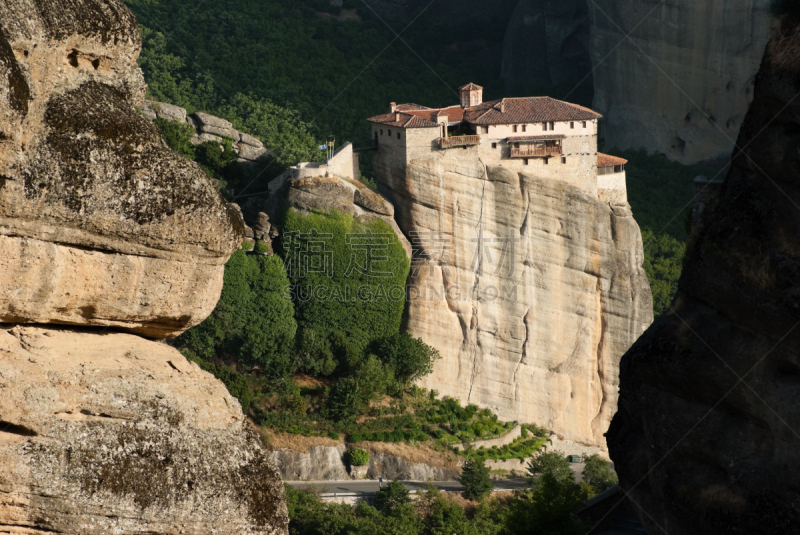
(706, 438)
(100, 222)
(116, 434)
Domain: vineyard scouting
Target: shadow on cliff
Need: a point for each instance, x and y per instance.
(706, 438)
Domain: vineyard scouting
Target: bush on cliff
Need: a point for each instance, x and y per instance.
(357, 457)
(347, 276)
(663, 263)
(178, 137)
(253, 322)
(410, 358)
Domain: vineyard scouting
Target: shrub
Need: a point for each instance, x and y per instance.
(374, 377)
(313, 353)
(409, 357)
(357, 457)
(663, 263)
(392, 497)
(550, 463)
(344, 400)
(598, 474)
(357, 302)
(252, 320)
(333, 435)
(355, 437)
(177, 136)
(475, 478)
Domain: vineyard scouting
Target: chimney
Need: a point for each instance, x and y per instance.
(393, 106)
(503, 106)
(397, 116)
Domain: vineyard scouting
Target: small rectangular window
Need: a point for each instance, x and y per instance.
(390, 133)
(526, 161)
(563, 159)
(584, 124)
(546, 161)
(398, 135)
(515, 128)
(524, 128)
(494, 145)
(552, 126)
(572, 125)
(544, 127)
(381, 131)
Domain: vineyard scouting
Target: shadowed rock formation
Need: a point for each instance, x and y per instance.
(707, 439)
(89, 190)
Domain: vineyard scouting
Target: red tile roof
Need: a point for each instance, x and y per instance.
(455, 114)
(606, 160)
(537, 138)
(470, 87)
(504, 111)
(528, 110)
(403, 120)
(411, 106)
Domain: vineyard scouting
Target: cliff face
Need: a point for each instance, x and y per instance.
(546, 44)
(84, 179)
(705, 440)
(101, 225)
(529, 288)
(711, 50)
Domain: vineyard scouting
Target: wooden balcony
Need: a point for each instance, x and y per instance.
(535, 152)
(458, 141)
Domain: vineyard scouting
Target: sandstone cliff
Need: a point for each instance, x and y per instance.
(84, 179)
(677, 80)
(530, 289)
(101, 225)
(546, 44)
(706, 438)
(115, 434)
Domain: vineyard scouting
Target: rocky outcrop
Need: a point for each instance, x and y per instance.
(100, 222)
(705, 440)
(530, 288)
(101, 225)
(325, 193)
(250, 150)
(327, 463)
(116, 434)
(676, 76)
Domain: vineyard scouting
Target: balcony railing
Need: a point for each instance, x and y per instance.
(533, 152)
(458, 141)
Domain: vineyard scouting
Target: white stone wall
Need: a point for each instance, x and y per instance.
(502, 131)
(579, 149)
(612, 188)
(341, 165)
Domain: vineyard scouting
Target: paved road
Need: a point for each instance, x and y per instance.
(372, 486)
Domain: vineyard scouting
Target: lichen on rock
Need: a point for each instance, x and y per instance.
(81, 169)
